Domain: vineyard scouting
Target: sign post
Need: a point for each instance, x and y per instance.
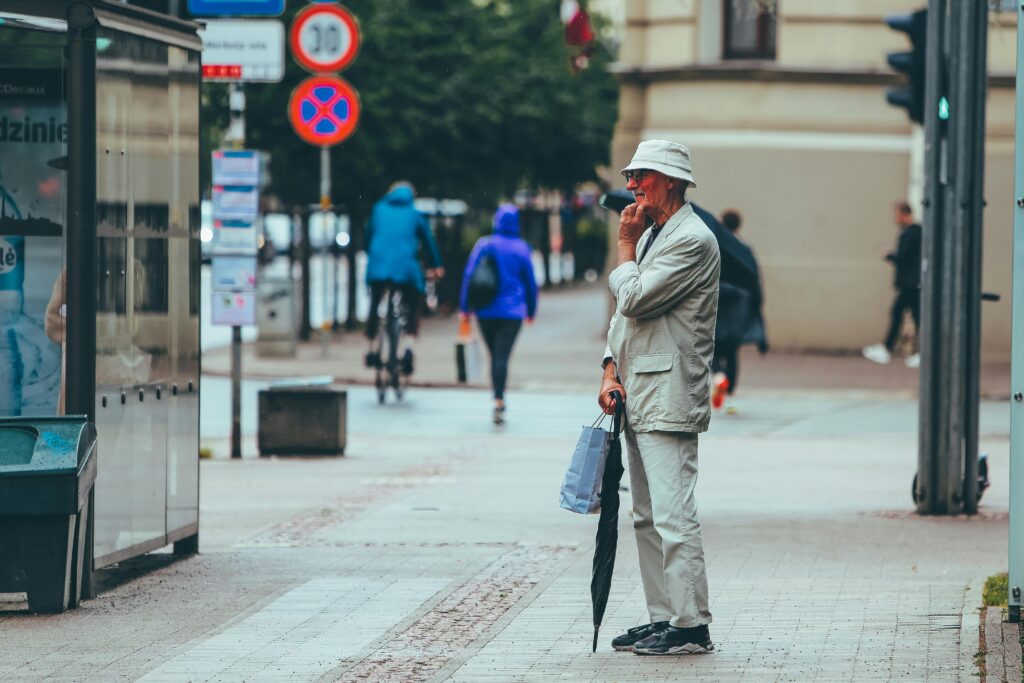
(251, 51)
(235, 8)
(233, 295)
(324, 109)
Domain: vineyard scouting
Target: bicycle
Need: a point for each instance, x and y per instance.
(392, 370)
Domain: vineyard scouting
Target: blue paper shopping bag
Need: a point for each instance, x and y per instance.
(581, 489)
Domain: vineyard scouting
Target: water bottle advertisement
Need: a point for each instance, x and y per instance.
(33, 137)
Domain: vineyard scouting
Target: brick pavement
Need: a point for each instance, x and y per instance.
(458, 565)
(434, 550)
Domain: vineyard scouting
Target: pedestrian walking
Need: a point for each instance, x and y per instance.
(513, 299)
(660, 346)
(395, 233)
(740, 321)
(907, 281)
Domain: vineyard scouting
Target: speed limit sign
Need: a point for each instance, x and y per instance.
(324, 37)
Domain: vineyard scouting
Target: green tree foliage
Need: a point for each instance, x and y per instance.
(465, 98)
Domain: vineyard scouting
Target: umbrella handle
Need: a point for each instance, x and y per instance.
(620, 409)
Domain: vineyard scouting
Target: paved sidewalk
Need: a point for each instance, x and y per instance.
(562, 349)
(435, 549)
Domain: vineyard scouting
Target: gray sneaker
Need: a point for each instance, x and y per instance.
(676, 641)
(627, 640)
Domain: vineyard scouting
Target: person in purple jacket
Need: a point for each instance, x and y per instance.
(516, 299)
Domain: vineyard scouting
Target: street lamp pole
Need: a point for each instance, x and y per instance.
(1016, 540)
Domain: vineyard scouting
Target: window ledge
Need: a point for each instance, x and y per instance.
(770, 72)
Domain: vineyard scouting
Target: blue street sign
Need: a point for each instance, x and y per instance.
(235, 8)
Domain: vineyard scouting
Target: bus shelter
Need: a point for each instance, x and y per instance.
(100, 254)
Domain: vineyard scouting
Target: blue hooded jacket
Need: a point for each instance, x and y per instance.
(393, 236)
(517, 288)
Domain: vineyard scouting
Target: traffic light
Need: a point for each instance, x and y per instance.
(910, 96)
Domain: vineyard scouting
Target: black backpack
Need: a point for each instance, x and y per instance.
(483, 282)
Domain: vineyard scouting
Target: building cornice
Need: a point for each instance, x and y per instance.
(763, 72)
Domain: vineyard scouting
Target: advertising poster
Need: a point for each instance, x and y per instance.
(235, 237)
(240, 167)
(234, 273)
(33, 137)
(233, 308)
(236, 203)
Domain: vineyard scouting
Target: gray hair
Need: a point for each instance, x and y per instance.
(682, 188)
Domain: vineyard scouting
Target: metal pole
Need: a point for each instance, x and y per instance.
(975, 29)
(954, 242)
(1016, 530)
(237, 134)
(80, 294)
(932, 266)
(325, 208)
(304, 256)
(352, 282)
(236, 391)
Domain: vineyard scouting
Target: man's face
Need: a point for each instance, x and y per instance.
(902, 219)
(650, 189)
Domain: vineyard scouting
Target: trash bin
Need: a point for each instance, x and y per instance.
(275, 317)
(304, 418)
(47, 471)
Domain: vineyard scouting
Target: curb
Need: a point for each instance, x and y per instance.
(970, 630)
(355, 381)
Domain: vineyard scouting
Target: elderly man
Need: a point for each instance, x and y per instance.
(660, 344)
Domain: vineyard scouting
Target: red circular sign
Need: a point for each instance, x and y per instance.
(324, 37)
(324, 110)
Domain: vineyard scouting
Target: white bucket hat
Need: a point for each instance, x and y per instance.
(663, 156)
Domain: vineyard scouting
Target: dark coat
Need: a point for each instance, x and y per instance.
(907, 258)
(740, 320)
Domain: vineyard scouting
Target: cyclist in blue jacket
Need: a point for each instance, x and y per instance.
(394, 233)
(516, 299)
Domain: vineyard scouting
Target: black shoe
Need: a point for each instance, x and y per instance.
(407, 362)
(676, 641)
(499, 415)
(372, 360)
(625, 642)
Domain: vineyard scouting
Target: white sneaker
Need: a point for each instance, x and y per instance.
(913, 361)
(877, 353)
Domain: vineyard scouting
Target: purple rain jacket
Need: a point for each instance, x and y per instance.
(517, 288)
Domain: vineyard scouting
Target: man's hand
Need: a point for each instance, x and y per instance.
(435, 273)
(609, 384)
(632, 224)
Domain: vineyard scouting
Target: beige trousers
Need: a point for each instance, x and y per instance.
(663, 473)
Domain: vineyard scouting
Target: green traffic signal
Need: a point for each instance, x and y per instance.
(944, 109)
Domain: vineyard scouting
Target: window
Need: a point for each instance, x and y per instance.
(749, 29)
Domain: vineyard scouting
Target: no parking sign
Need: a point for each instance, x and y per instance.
(324, 110)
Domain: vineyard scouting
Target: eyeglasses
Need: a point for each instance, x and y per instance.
(636, 175)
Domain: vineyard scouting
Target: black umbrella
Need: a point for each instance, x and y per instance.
(608, 524)
(738, 265)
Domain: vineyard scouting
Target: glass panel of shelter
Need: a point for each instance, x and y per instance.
(33, 163)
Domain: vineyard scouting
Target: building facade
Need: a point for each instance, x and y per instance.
(782, 104)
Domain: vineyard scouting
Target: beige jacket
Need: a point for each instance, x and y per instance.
(662, 334)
